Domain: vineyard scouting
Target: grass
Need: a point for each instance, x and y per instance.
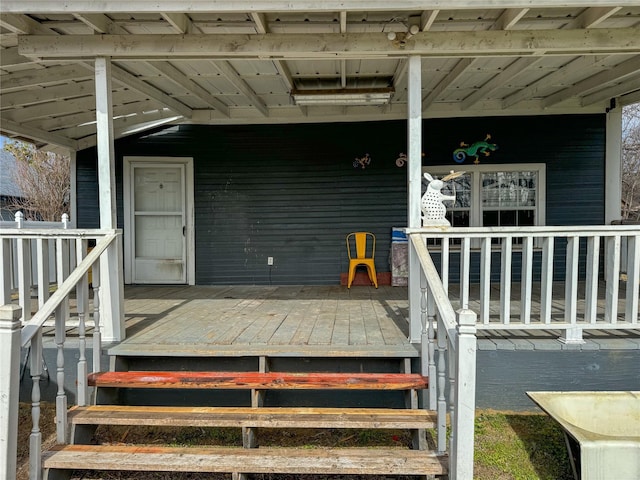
(508, 445)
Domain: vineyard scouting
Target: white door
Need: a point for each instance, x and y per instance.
(158, 223)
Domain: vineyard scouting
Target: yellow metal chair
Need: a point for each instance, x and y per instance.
(363, 244)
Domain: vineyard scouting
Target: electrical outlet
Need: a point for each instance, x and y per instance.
(269, 260)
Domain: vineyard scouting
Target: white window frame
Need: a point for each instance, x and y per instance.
(475, 211)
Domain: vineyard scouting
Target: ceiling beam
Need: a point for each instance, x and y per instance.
(349, 45)
(516, 68)
(173, 74)
(14, 128)
(124, 77)
(448, 80)
(615, 74)
(241, 85)
(221, 6)
(630, 98)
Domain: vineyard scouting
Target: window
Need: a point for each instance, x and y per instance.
(495, 195)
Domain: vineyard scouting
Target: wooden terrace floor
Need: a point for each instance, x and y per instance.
(267, 320)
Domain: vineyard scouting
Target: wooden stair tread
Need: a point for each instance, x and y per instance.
(264, 417)
(246, 460)
(257, 380)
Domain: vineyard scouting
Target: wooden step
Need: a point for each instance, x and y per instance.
(263, 417)
(393, 461)
(259, 381)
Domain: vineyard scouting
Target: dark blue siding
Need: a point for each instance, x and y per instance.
(291, 191)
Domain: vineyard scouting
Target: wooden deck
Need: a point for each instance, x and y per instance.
(291, 321)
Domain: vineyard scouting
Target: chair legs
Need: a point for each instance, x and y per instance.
(371, 270)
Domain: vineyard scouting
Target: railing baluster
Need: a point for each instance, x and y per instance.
(82, 299)
(571, 280)
(526, 280)
(453, 416)
(6, 272)
(43, 270)
(431, 333)
(546, 280)
(465, 268)
(612, 279)
(591, 279)
(35, 438)
(23, 251)
(633, 279)
(444, 264)
(485, 280)
(97, 336)
(442, 380)
(61, 397)
(505, 281)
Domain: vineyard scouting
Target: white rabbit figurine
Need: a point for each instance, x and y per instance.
(433, 210)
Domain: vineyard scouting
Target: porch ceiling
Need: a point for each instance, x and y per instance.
(238, 61)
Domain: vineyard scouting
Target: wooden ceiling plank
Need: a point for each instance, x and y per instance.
(42, 76)
(10, 57)
(592, 17)
(23, 25)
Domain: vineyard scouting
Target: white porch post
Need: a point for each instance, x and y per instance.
(613, 166)
(414, 177)
(111, 263)
(9, 388)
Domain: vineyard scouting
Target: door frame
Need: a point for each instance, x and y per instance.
(190, 243)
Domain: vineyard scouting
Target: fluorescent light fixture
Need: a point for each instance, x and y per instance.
(346, 96)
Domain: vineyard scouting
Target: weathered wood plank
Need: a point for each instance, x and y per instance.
(257, 380)
(247, 460)
(265, 417)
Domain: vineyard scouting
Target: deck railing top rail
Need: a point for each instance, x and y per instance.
(536, 231)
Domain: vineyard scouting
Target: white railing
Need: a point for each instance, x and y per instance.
(570, 278)
(17, 263)
(15, 333)
(448, 343)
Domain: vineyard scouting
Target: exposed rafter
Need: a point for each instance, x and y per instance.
(350, 45)
(241, 85)
(40, 95)
(23, 24)
(172, 73)
(42, 76)
(499, 80)
(124, 77)
(557, 77)
(100, 23)
(449, 79)
(9, 127)
(508, 18)
(592, 17)
(179, 21)
(628, 86)
(427, 18)
(627, 68)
